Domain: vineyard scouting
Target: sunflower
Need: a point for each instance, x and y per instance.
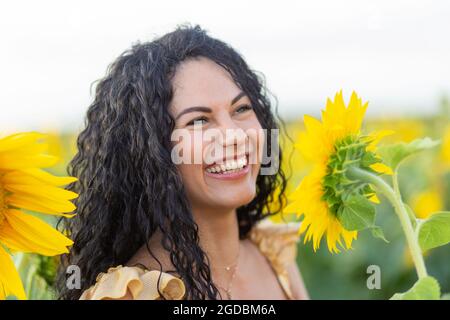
(332, 145)
(24, 185)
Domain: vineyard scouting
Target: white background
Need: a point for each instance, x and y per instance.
(396, 54)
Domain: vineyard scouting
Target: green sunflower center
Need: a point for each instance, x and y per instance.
(337, 187)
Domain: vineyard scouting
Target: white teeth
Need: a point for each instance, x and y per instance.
(229, 167)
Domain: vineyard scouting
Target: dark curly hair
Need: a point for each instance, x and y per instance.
(129, 187)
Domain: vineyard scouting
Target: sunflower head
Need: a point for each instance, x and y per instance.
(25, 186)
(325, 195)
(350, 151)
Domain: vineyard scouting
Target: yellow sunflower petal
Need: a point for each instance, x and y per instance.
(54, 207)
(333, 236)
(381, 168)
(310, 149)
(35, 176)
(37, 231)
(293, 207)
(16, 242)
(349, 236)
(374, 199)
(334, 114)
(41, 191)
(355, 114)
(32, 149)
(19, 140)
(13, 161)
(375, 138)
(314, 128)
(10, 283)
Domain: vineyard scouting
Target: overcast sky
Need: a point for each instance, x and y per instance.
(396, 54)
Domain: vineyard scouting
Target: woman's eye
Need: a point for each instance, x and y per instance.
(243, 108)
(197, 121)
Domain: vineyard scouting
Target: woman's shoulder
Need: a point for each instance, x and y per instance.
(135, 283)
(276, 240)
(278, 243)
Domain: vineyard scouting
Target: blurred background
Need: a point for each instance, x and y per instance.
(394, 54)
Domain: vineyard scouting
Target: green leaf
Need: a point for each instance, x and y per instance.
(394, 154)
(377, 232)
(426, 288)
(357, 213)
(435, 231)
(36, 288)
(445, 296)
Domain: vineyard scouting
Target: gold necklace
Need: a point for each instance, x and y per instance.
(228, 268)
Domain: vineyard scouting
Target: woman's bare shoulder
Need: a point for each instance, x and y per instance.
(296, 282)
(139, 278)
(152, 256)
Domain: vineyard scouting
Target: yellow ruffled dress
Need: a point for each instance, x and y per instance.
(276, 241)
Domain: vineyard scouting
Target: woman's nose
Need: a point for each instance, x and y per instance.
(231, 136)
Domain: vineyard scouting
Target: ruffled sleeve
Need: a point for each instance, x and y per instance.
(278, 242)
(141, 284)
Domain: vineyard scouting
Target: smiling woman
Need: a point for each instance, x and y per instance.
(219, 186)
(148, 227)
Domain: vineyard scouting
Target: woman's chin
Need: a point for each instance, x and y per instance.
(234, 199)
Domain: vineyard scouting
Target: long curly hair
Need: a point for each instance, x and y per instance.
(129, 187)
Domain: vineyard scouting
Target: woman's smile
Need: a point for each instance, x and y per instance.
(229, 169)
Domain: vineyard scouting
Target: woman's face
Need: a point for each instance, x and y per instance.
(221, 135)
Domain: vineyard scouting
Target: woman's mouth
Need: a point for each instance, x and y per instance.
(229, 169)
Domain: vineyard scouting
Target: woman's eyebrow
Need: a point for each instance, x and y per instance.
(206, 109)
(236, 99)
(194, 109)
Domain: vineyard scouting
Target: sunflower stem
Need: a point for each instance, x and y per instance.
(395, 198)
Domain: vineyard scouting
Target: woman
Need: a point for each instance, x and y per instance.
(150, 228)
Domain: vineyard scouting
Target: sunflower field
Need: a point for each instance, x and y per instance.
(335, 263)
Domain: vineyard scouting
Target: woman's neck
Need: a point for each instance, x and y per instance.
(219, 235)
